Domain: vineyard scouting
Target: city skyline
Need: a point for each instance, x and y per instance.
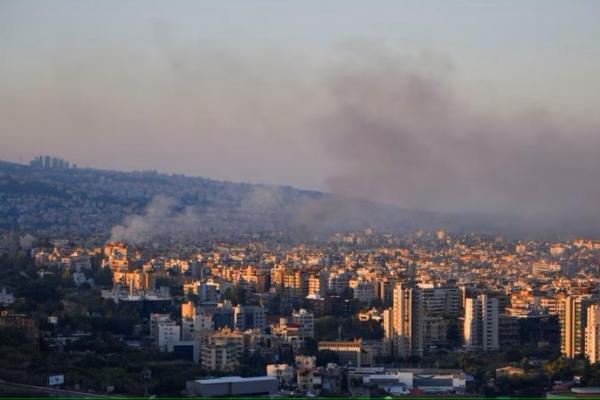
(299, 199)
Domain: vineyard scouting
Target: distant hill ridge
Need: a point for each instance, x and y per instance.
(86, 200)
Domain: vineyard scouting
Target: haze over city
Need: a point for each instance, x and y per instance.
(470, 107)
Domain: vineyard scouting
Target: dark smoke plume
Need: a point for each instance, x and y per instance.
(405, 137)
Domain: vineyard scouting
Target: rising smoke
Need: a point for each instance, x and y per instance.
(367, 123)
(234, 209)
(162, 217)
(406, 137)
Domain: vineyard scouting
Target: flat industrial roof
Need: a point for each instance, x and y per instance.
(235, 379)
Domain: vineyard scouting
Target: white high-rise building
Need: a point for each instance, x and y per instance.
(406, 321)
(592, 334)
(471, 325)
(572, 312)
(388, 323)
(420, 315)
(481, 323)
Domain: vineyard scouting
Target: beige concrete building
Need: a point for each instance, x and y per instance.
(592, 334)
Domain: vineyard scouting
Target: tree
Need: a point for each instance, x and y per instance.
(40, 291)
(13, 337)
(558, 369)
(311, 347)
(252, 364)
(103, 277)
(513, 355)
(325, 357)
(326, 328)
(22, 260)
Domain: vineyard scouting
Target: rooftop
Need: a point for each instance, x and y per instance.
(234, 379)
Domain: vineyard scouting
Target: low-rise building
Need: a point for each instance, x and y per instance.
(283, 372)
(349, 353)
(232, 386)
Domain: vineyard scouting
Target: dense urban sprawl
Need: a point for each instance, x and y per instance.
(358, 314)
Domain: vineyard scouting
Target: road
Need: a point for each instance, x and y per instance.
(53, 392)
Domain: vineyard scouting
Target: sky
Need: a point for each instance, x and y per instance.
(487, 106)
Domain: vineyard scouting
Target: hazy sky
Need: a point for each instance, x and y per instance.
(292, 92)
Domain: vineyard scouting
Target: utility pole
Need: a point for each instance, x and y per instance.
(146, 375)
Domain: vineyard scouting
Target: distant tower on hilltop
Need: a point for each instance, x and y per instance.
(46, 162)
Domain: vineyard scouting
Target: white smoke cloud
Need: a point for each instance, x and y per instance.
(162, 217)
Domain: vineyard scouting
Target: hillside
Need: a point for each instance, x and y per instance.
(95, 201)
